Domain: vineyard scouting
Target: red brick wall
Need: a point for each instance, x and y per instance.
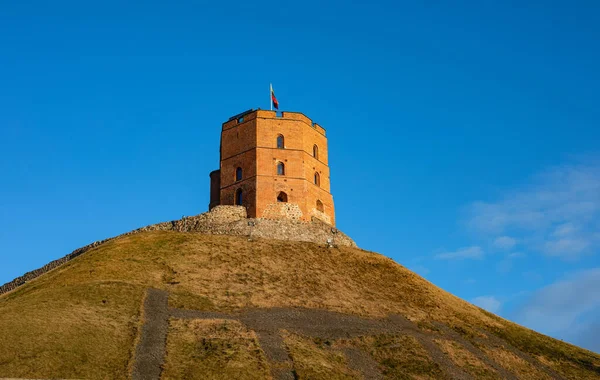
(215, 189)
(251, 144)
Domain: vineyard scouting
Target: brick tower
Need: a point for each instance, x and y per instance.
(275, 166)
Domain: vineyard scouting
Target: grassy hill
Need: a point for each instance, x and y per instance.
(234, 308)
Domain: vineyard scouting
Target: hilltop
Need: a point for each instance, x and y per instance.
(191, 305)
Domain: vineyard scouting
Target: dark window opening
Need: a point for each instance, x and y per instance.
(280, 142)
(239, 199)
(282, 197)
(238, 174)
(317, 179)
(280, 168)
(320, 206)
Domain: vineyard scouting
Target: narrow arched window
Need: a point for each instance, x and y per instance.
(280, 142)
(280, 168)
(317, 179)
(316, 152)
(320, 206)
(238, 174)
(282, 197)
(239, 197)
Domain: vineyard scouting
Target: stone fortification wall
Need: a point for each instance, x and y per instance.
(48, 267)
(321, 216)
(281, 225)
(221, 220)
(282, 210)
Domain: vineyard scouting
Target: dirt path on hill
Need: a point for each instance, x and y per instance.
(150, 351)
(313, 323)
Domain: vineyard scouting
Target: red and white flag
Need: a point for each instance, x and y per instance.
(274, 101)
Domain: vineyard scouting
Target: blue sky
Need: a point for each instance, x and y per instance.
(463, 136)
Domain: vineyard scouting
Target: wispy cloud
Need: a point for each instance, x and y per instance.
(567, 247)
(489, 303)
(506, 264)
(557, 307)
(505, 242)
(565, 229)
(474, 252)
(558, 214)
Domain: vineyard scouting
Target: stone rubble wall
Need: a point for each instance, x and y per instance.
(321, 216)
(48, 267)
(282, 210)
(221, 220)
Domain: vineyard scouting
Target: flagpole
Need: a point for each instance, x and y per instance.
(270, 96)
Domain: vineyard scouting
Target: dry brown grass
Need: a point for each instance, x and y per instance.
(466, 360)
(233, 273)
(511, 362)
(75, 331)
(568, 368)
(570, 361)
(400, 357)
(213, 349)
(313, 361)
(60, 326)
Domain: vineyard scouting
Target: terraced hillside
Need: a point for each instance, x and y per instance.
(176, 305)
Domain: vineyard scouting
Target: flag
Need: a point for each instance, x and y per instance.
(274, 101)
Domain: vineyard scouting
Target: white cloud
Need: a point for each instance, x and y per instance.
(567, 248)
(473, 252)
(505, 242)
(489, 303)
(557, 307)
(558, 214)
(565, 229)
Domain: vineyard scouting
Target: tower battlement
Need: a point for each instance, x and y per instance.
(270, 161)
(266, 114)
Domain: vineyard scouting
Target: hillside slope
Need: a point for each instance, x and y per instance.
(186, 305)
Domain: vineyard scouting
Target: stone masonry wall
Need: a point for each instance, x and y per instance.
(221, 220)
(282, 210)
(321, 216)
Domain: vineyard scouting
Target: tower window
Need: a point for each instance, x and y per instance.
(239, 197)
(280, 142)
(316, 152)
(317, 179)
(282, 197)
(320, 206)
(238, 174)
(280, 168)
